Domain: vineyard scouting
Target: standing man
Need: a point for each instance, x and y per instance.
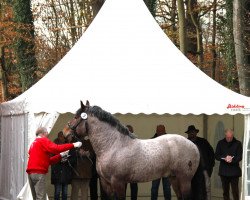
(229, 153)
(40, 159)
(207, 158)
(160, 130)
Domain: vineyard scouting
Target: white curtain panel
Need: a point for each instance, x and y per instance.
(17, 133)
(245, 194)
(14, 134)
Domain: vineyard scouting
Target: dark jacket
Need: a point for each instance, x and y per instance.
(61, 173)
(207, 154)
(233, 148)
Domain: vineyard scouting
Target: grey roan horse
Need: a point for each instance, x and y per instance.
(122, 158)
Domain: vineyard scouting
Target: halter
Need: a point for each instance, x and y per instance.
(83, 117)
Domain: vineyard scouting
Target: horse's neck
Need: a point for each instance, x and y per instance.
(103, 136)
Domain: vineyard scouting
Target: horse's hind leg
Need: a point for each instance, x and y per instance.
(181, 187)
(185, 188)
(175, 185)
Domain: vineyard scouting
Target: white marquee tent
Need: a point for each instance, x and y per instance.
(123, 63)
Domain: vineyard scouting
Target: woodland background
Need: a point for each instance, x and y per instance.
(36, 34)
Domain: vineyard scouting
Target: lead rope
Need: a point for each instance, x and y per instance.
(76, 172)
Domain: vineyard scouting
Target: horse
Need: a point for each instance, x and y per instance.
(123, 158)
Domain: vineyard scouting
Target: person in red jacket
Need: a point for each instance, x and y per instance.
(40, 159)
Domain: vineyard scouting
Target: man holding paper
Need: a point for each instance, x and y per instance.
(229, 153)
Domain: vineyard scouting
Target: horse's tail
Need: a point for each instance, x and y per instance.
(198, 184)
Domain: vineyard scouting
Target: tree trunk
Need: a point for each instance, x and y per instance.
(214, 55)
(3, 76)
(96, 6)
(72, 23)
(191, 29)
(172, 19)
(3, 71)
(56, 29)
(243, 66)
(182, 27)
(229, 48)
(196, 23)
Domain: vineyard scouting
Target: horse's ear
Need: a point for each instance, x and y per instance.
(87, 103)
(82, 106)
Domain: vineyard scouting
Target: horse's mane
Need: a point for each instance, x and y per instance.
(107, 117)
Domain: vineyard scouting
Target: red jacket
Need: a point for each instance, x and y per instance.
(40, 155)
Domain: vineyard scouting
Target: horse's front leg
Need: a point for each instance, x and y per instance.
(106, 187)
(119, 189)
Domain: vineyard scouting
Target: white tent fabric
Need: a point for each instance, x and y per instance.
(125, 64)
(25, 193)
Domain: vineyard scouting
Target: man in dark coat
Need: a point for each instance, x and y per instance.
(207, 156)
(229, 153)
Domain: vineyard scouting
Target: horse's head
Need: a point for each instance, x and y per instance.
(77, 127)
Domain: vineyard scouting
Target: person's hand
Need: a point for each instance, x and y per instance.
(84, 153)
(77, 144)
(229, 159)
(64, 154)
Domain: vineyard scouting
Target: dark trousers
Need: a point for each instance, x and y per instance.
(134, 190)
(61, 188)
(166, 188)
(234, 182)
(94, 190)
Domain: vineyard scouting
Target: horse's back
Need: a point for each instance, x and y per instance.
(183, 146)
(181, 152)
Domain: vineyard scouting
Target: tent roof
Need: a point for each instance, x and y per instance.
(126, 64)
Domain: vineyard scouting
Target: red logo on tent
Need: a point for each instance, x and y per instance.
(235, 106)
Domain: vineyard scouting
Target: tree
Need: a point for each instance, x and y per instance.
(191, 23)
(196, 22)
(214, 54)
(96, 6)
(182, 27)
(241, 32)
(151, 4)
(3, 75)
(10, 86)
(24, 45)
(227, 46)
